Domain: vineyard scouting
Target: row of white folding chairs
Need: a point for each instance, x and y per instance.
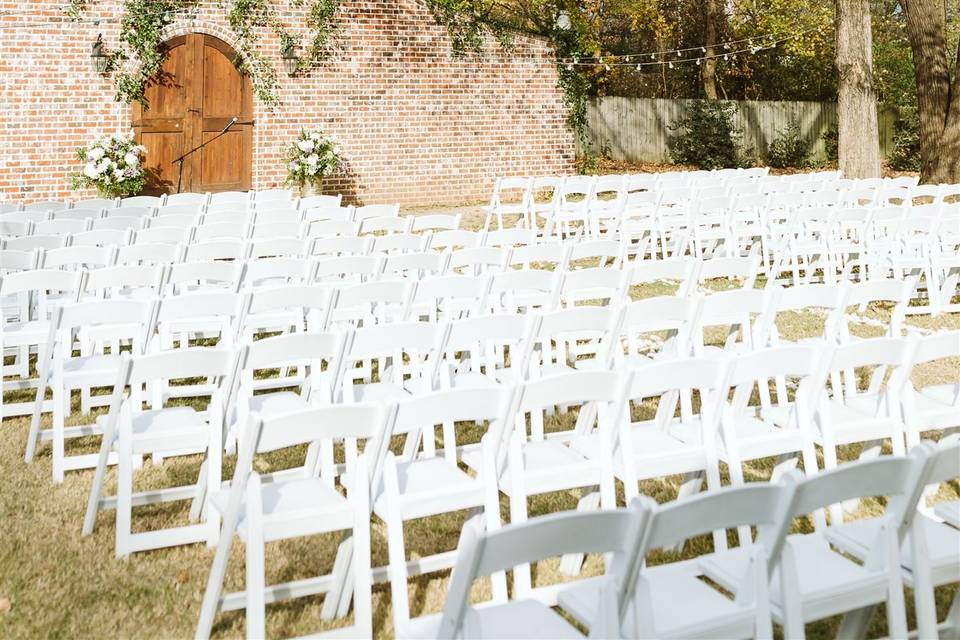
(231, 316)
(73, 221)
(790, 579)
(552, 197)
(266, 197)
(427, 484)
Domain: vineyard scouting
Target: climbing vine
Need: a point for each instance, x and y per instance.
(141, 54)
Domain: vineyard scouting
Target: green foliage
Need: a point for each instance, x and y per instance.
(905, 155)
(705, 136)
(145, 21)
(831, 143)
(789, 148)
(141, 31)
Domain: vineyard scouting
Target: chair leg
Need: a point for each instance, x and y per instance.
(59, 442)
(124, 513)
(340, 591)
(255, 578)
(571, 563)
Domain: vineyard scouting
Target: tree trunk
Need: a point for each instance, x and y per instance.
(938, 109)
(710, 63)
(859, 143)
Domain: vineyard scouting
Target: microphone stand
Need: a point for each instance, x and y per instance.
(197, 148)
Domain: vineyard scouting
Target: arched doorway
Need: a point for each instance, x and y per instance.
(194, 96)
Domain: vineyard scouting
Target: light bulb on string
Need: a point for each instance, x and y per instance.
(703, 49)
(653, 56)
(698, 62)
(670, 64)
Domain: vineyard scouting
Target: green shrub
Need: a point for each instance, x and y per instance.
(587, 164)
(705, 136)
(905, 155)
(831, 143)
(789, 149)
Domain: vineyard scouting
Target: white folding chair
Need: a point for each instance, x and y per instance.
(510, 196)
(376, 211)
(671, 600)
(440, 298)
(435, 222)
(658, 444)
(417, 485)
(319, 201)
(930, 552)
(861, 408)
(93, 326)
(534, 464)
(524, 291)
(287, 309)
(815, 581)
(370, 303)
(933, 407)
(576, 338)
(683, 271)
(488, 350)
(317, 358)
(404, 352)
(25, 326)
(662, 326)
(207, 275)
(131, 431)
(616, 534)
(260, 510)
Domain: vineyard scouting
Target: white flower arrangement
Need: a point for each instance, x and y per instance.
(112, 165)
(311, 157)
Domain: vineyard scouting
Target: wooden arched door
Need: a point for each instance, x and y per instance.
(194, 96)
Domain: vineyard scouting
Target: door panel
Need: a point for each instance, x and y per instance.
(221, 161)
(195, 95)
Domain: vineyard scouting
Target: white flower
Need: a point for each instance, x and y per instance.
(313, 159)
(131, 159)
(90, 170)
(118, 174)
(294, 166)
(96, 153)
(305, 145)
(103, 166)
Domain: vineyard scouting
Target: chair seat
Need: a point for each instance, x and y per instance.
(294, 508)
(267, 404)
(548, 465)
(942, 541)
(476, 380)
(514, 619)
(423, 482)
(950, 512)
(168, 421)
(825, 578)
(99, 364)
(30, 332)
(683, 605)
(378, 392)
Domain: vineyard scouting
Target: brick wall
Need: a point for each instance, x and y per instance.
(418, 124)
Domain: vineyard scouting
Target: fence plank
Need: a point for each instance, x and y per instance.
(637, 129)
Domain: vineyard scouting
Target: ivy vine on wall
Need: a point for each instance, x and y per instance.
(141, 54)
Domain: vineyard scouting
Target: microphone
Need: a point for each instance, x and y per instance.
(232, 122)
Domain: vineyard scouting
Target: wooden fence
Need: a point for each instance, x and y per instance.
(636, 129)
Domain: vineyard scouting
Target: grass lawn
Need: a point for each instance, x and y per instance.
(55, 583)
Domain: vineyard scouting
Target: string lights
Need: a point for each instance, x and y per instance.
(731, 49)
